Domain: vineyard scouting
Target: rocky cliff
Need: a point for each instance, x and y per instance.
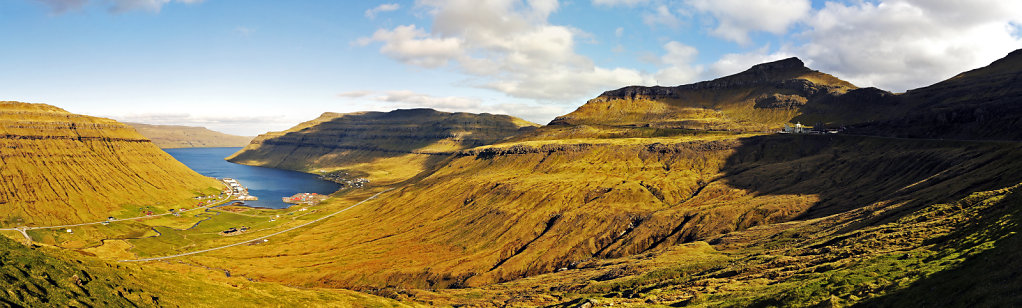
(383, 146)
(58, 167)
(177, 136)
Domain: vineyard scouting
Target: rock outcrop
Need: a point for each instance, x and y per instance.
(58, 167)
(177, 136)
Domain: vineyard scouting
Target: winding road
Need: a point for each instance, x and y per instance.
(23, 229)
(259, 238)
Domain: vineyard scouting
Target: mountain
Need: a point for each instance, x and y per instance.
(762, 98)
(385, 147)
(59, 167)
(176, 136)
(985, 103)
(601, 208)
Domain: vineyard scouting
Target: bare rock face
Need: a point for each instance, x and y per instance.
(780, 101)
(60, 167)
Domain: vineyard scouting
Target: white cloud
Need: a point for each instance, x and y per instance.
(116, 6)
(145, 5)
(737, 18)
(734, 63)
(903, 44)
(355, 94)
(61, 6)
(619, 32)
(412, 45)
(618, 2)
(409, 99)
(679, 67)
(239, 125)
(662, 16)
(506, 45)
(386, 7)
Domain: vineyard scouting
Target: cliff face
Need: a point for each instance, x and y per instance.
(59, 167)
(384, 146)
(176, 136)
(760, 98)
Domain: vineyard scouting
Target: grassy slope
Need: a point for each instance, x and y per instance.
(176, 136)
(498, 216)
(47, 277)
(384, 147)
(58, 167)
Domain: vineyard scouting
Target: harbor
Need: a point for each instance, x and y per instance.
(237, 191)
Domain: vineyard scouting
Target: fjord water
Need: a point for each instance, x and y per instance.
(266, 183)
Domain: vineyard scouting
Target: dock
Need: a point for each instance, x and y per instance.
(237, 191)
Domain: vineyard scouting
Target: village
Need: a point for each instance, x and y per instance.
(800, 129)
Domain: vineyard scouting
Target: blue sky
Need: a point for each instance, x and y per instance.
(246, 67)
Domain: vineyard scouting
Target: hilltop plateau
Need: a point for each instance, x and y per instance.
(385, 147)
(177, 136)
(59, 167)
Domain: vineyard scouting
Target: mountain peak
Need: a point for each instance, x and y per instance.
(779, 65)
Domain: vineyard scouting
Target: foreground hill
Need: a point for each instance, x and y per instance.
(59, 167)
(386, 147)
(176, 136)
(47, 277)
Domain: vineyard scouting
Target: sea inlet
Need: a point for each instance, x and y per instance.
(266, 183)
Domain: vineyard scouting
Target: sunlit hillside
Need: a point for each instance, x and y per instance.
(177, 136)
(57, 167)
(385, 147)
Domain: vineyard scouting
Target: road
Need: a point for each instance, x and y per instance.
(23, 229)
(259, 238)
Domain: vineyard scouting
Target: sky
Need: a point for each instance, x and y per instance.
(250, 66)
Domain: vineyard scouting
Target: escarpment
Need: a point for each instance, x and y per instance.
(59, 167)
(383, 146)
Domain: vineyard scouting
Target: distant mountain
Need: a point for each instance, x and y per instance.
(176, 136)
(761, 98)
(60, 167)
(384, 146)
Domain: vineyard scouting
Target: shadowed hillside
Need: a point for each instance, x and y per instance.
(176, 136)
(58, 167)
(386, 147)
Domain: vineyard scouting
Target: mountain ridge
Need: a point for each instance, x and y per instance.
(180, 136)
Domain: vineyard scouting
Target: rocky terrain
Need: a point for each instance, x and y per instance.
(385, 147)
(177, 136)
(57, 167)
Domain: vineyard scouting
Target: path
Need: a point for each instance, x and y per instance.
(259, 238)
(22, 229)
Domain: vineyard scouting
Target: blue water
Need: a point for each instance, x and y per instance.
(266, 183)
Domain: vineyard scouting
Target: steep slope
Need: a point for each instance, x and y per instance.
(176, 136)
(507, 212)
(763, 97)
(58, 167)
(984, 103)
(386, 147)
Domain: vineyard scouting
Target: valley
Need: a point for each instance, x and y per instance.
(643, 196)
